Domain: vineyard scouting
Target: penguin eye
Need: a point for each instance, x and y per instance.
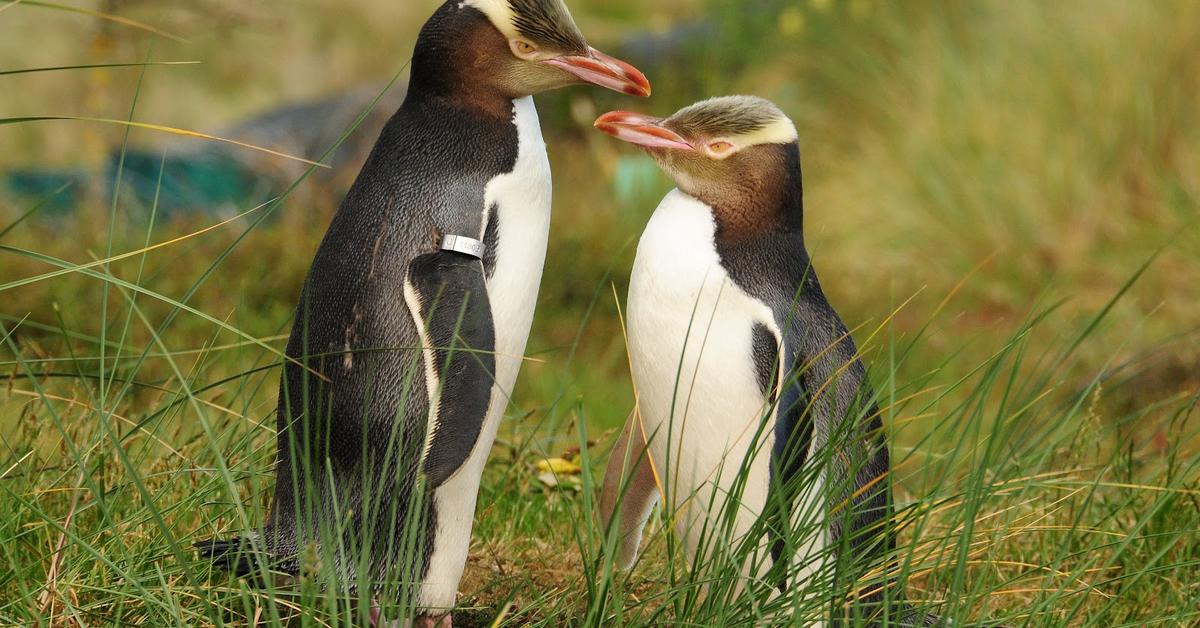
(523, 49)
(720, 149)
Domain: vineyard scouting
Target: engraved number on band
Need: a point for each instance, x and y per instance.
(464, 245)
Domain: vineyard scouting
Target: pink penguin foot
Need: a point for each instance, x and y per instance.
(434, 621)
(422, 621)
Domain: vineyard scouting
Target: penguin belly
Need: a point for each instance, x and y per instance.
(518, 215)
(706, 417)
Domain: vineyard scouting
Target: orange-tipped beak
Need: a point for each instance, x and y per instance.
(645, 131)
(600, 69)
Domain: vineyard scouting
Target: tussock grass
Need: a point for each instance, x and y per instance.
(1002, 202)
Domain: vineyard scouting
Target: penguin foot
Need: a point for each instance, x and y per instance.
(433, 621)
(422, 621)
(239, 555)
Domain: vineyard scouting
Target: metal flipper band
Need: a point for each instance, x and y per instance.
(464, 245)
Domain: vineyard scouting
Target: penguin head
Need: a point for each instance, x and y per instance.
(523, 47)
(733, 149)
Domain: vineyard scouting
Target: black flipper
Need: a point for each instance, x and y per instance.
(793, 437)
(456, 319)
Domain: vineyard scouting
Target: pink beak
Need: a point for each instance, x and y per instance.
(600, 69)
(645, 131)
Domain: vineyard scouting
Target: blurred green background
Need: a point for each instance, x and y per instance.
(967, 166)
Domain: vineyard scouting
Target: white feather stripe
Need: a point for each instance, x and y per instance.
(781, 131)
(433, 383)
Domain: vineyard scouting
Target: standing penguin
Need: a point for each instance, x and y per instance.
(414, 317)
(756, 420)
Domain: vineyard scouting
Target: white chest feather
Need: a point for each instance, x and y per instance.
(691, 345)
(521, 202)
(691, 336)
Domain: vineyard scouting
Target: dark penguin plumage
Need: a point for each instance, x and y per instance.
(730, 333)
(403, 354)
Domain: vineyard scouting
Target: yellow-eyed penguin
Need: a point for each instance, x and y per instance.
(414, 317)
(755, 419)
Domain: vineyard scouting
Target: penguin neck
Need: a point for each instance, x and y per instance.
(455, 63)
(479, 103)
(764, 198)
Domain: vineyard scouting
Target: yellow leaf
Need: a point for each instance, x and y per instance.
(559, 466)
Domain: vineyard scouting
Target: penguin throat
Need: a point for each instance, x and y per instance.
(742, 212)
(762, 197)
(745, 220)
